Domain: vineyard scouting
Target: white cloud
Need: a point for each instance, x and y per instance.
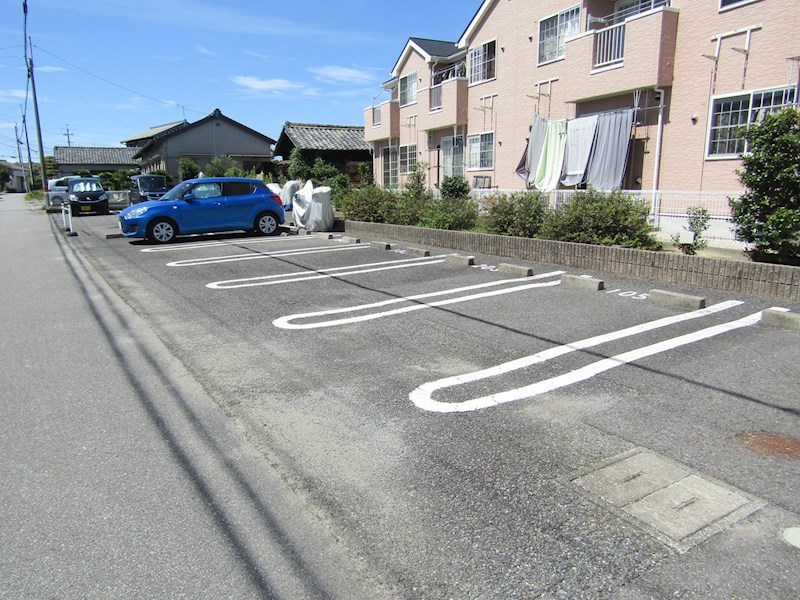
(266, 85)
(257, 54)
(337, 74)
(12, 96)
(204, 51)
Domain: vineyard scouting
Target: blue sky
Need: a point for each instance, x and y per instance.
(110, 69)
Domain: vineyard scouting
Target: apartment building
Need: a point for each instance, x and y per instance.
(645, 95)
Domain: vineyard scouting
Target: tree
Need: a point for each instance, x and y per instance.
(187, 168)
(223, 166)
(300, 167)
(5, 175)
(767, 215)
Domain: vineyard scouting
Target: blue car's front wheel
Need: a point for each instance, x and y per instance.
(266, 223)
(161, 231)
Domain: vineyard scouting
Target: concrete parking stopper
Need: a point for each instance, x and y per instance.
(515, 270)
(677, 300)
(418, 252)
(775, 317)
(325, 236)
(457, 259)
(380, 245)
(583, 283)
(350, 240)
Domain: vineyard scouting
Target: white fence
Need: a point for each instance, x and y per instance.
(667, 210)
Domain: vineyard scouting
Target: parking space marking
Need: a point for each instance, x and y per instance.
(213, 260)
(422, 396)
(287, 322)
(219, 244)
(325, 273)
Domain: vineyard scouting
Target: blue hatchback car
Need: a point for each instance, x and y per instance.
(205, 205)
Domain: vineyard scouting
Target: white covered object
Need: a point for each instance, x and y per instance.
(313, 209)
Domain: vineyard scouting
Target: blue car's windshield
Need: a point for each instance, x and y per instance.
(178, 191)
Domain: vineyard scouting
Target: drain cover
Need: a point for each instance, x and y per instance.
(680, 506)
(771, 444)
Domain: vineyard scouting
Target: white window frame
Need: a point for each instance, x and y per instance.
(562, 33)
(734, 4)
(480, 151)
(407, 158)
(480, 68)
(754, 115)
(410, 90)
(389, 166)
(453, 156)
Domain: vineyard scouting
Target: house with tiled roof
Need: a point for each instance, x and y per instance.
(342, 146)
(71, 159)
(202, 141)
(140, 139)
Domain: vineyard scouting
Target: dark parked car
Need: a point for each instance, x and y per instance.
(148, 187)
(205, 205)
(86, 195)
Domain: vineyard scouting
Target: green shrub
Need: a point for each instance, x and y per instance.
(221, 166)
(698, 224)
(455, 186)
(415, 198)
(520, 214)
(457, 214)
(370, 203)
(767, 215)
(608, 219)
(187, 168)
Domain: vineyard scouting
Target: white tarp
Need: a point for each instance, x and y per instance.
(312, 208)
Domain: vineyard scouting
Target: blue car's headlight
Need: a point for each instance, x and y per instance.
(136, 212)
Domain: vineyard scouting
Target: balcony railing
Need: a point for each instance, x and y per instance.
(610, 41)
(609, 47)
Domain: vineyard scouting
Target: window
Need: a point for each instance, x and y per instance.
(389, 156)
(482, 62)
(207, 190)
(408, 89)
(408, 158)
(453, 156)
(237, 188)
(731, 115)
(555, 31)
(480, 150)
(729, 3)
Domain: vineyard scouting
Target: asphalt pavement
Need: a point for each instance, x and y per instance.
(119, 477)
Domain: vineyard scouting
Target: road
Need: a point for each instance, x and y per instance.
(418, 428)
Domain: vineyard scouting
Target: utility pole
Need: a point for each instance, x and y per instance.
(19, 157)
(67, 134)
(36, 113)
(28, 146)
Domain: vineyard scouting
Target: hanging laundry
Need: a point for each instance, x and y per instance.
(529, 163)
(610, 153)
(580, 138)
(552, 159)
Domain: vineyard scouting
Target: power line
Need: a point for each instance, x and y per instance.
(122, 87)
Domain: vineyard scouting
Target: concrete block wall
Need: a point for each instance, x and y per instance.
(760, 279)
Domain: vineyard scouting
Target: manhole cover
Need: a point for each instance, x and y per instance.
(771, 444)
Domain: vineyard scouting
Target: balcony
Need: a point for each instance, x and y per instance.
(382, 122)
(626, 51)
(446, 105)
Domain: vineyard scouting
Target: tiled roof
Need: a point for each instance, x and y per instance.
(154, 131)
(324, 137)
(436, 47)
(83, 155)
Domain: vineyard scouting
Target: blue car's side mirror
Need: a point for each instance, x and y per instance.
(188, 197)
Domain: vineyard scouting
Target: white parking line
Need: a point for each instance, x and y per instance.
(221, 243)
(325, 273)
(212, 260)
(422, 396)
(287, 322)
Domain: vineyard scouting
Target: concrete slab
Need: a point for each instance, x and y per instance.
(418, 252)
(515, 270)
(457, 259)
(686, 506)
(632, 479)
(584, 283)
(677, 300)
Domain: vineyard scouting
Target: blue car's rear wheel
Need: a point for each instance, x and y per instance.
(161, 231)
(266, 223)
